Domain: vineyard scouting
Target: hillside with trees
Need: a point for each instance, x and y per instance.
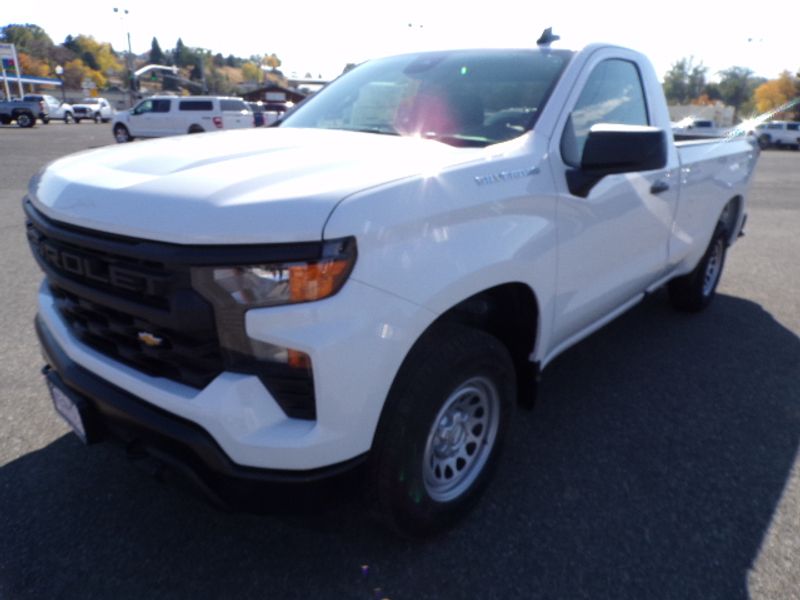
(84, 58)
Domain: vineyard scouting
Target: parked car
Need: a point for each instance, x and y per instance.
(373, 286)
(97, 109)
(692, 128)
(160, 116)
(24, 112)
(58, 110)
(779, 134)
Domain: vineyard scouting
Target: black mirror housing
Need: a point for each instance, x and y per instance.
(612, 149)
(624, 149)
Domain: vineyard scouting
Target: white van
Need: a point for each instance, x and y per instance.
(159, 116)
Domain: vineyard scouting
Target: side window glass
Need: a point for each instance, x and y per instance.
(161, 106)
(143, 107)
(612, 94)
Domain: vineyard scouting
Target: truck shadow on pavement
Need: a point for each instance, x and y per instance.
(651, 467)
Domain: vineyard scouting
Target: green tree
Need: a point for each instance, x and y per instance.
(71, 44)
(90, 61)
(736, 87)
(685, 81)
(183, 56)
(156, 53)
(28, 38)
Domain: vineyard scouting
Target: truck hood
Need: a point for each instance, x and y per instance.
(248, 186)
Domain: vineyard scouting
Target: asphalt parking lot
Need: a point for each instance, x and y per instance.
(660, 462)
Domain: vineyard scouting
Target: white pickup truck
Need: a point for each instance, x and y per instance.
(376, 283)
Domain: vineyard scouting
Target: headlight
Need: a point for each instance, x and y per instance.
(287, 275)
(268, 285)
(275, 283)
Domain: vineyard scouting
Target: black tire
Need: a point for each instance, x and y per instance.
(442, 430)
(25, 120)
(695, 291)
(764, 141)
(196, 129)
(46, 120)
(77, 120)
(121, 134)
(68, 118)
(97, 118)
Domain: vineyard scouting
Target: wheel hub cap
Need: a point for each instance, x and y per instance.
(461, 439)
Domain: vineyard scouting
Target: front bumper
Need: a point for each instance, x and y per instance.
(110, 413)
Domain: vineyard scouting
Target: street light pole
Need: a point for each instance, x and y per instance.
(60, 75)
(123, 12)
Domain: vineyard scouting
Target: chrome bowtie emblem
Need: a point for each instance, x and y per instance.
(148, 339)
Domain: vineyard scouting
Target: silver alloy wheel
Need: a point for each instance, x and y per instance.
(461, 439)
(714, 267)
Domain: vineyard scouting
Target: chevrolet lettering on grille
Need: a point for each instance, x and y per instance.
(93, 269)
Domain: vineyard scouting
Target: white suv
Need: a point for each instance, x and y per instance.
(160, 116)
(779, 134)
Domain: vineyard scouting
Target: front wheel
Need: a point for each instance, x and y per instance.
(121, 134)
(45, 120)
(694, 292)
(442, 430)
(97, 118)
(68, 118)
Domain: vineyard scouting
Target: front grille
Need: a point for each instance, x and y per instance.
(192, 360)
(134, 309)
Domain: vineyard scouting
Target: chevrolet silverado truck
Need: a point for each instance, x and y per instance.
(24, 112)
(376, 283)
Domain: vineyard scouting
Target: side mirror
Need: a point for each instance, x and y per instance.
(613, 149)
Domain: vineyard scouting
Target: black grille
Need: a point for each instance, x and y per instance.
(133, 301)
(136, 310)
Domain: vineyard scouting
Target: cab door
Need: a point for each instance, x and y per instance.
(613, 241)
(140, 123)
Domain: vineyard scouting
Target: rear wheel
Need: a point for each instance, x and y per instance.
(77, 120)
(45, 120)
(764, 141)
(196, 129)
(694, 292)
(442, 430)
(97, 118)
(121, 134)
(68, 118)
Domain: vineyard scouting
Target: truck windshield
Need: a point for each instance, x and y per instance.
(462, 98)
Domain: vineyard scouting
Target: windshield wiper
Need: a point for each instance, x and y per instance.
(380, 130)
(456, 139)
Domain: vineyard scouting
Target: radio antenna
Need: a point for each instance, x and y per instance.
(548, 37)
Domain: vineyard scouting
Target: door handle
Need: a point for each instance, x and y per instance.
(659, 187)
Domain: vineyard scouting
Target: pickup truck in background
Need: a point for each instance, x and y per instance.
(779, 134)
(375, 284)
(97, 109)
(24, 112)
(57, 109)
